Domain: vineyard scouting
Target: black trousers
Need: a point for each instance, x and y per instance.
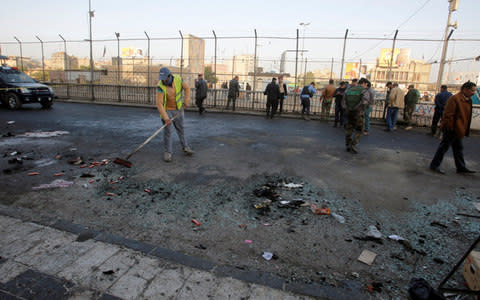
(282, 95)
(436, 117)
(199, 103)
(339, 113)
(231, 98)
(272, 106)
(449, 139)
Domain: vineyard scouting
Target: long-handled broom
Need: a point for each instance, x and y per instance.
(125, 162)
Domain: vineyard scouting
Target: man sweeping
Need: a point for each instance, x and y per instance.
(170, 106)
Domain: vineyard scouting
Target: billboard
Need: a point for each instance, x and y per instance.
(351, 71)
(401, 57)
(131, 52)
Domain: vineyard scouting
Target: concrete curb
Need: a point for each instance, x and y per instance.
(349, 289)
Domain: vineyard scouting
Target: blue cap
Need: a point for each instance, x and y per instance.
(163, 74)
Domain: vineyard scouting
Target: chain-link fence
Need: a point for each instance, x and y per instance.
(125, 69)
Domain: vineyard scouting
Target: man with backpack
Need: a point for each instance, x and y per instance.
(307, 93)
(354, 102)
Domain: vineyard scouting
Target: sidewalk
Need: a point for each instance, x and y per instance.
(67, 261)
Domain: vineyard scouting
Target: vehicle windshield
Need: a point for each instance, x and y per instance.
(13, 76)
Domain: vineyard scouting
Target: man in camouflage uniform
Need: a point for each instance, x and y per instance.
(354, 102)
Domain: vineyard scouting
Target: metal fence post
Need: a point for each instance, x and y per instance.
(343, 55)
(117, 34)
(21, 53)
(215, 72)
(296, 73)
(43, 58)
(149, 92)
(181, 55)
(254, 71)
(65, 64)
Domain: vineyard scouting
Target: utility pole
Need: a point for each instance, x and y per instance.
(453, 6)
(91, 14)
(343, 55)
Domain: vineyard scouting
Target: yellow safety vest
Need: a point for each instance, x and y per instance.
(177, 81)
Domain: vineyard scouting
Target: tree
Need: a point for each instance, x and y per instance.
(209, 75)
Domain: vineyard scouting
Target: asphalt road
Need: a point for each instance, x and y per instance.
(387, 184)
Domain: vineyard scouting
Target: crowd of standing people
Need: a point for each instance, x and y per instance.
(353, 103)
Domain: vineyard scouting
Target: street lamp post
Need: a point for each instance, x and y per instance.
(303, 47)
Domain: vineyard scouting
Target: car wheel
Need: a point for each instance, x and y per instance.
(46, 104)
(13, 101)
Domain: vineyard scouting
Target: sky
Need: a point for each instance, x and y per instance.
(422, 19)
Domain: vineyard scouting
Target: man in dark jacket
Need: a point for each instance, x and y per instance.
(283, 92)
(201, 93)
(233, 92)
(273, 95)
(411, 100)
(339, 111)
(456, 120)
(440, 101)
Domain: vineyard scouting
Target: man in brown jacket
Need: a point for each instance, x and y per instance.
(327, 96)
(395, 102)
(456, 120)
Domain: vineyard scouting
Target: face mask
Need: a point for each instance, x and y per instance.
(168, 81)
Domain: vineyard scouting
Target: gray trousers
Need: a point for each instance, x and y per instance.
(167, 132)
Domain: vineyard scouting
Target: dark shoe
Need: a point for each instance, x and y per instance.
(437, 170)
(348, 148)
(354, 149)
(466, 171)
(386, 129)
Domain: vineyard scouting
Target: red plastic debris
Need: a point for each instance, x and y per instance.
(196, 222)
(84, 166)
(58, 174)
(33, 173)
(109, 194)
(147, 191)
(91, 181)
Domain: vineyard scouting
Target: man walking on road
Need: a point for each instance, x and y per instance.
(395, 102)
(456, 120)
(354, 102)
(440, 101)
(200, 93)
(411, 99)
(233, 92)
(273, 95)
(327, 96)
(170, 104)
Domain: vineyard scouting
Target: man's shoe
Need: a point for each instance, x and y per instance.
(307, 118)
(348, 148)
(365, 133)
(188, 151)
(386, 129)
(167, 157)
(408, 128)
(465, 171)
(437, 170)
(353, 149)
